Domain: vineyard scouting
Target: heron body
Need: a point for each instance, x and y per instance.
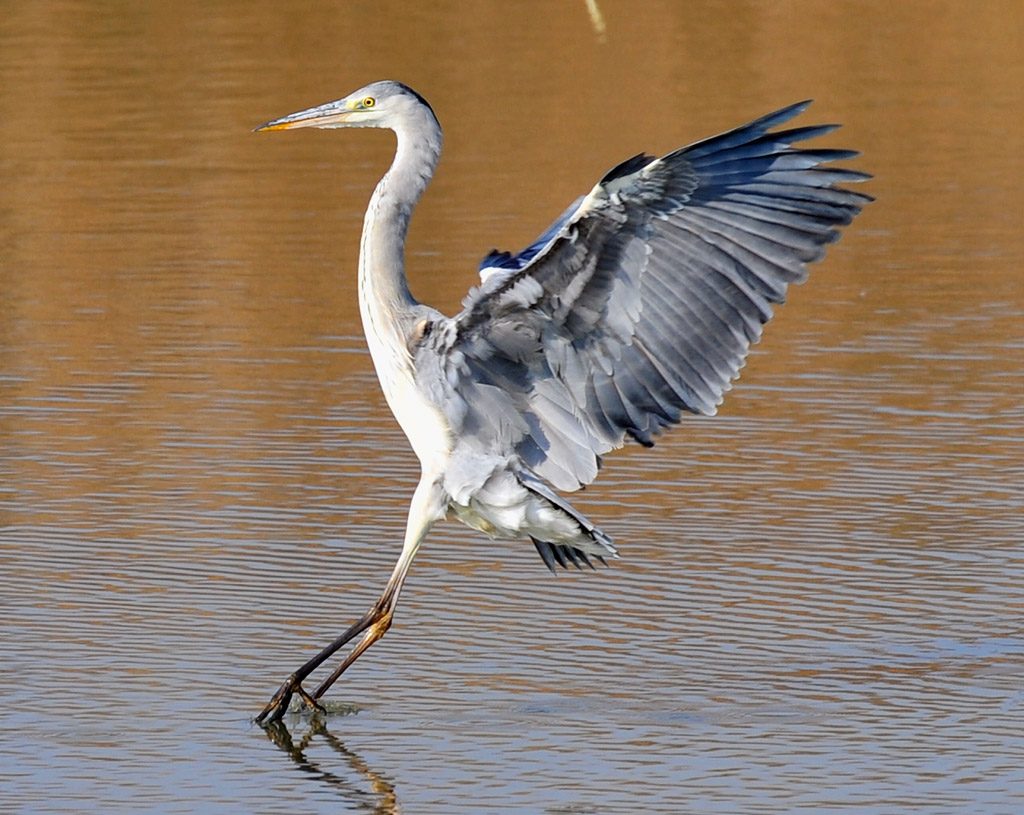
(638, 304)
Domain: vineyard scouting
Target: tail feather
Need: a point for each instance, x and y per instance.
(562, 555)
(597, 544)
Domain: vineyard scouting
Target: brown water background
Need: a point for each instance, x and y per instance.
(819, 607)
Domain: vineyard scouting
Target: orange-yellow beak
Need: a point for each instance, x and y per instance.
(333, 114)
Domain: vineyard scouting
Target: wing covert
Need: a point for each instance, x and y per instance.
(642, 300)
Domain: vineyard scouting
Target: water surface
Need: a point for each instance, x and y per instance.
(818, 606)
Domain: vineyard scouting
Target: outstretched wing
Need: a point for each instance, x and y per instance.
(643, 299)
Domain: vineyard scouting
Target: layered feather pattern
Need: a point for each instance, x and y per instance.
(641, 302)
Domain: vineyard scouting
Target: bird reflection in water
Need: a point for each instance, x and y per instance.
(381, 800)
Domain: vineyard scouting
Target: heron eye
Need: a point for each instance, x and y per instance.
(369, 102)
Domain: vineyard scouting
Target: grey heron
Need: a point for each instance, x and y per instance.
(639, 303)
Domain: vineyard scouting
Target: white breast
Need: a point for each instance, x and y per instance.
(424, 424)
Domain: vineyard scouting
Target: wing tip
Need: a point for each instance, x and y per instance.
(783, 114)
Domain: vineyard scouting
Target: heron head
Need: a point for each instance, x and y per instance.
(379, 104)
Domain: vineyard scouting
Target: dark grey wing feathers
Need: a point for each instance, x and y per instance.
(628, 167)
(641, 301)
(745, 134)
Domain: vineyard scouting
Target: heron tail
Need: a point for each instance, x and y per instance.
(563, 554)
(591, 542)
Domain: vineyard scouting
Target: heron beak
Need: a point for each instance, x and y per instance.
(333, 114)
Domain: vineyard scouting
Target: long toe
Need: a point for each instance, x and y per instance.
(278, 704)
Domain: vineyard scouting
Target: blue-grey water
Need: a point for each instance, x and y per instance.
(819, 604)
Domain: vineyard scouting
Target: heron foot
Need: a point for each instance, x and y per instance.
(279, 703)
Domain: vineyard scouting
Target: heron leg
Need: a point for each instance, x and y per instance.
(385, 609)
(278, 705)
(427, 506)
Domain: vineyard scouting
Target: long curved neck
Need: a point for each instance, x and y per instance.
(383, 289)
(386, 305)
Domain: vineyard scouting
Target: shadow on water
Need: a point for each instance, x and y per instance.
(380, 800)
